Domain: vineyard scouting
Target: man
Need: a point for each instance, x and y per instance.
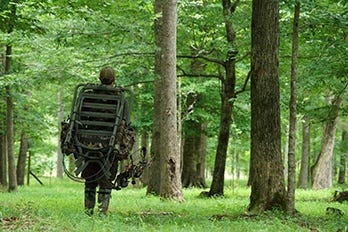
(92, 179)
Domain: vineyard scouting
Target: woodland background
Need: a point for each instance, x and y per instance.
(48, 47)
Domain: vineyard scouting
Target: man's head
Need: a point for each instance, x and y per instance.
(107, 76)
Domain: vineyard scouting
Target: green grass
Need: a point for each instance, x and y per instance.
(58, 206)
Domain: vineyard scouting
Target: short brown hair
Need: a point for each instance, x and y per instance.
(107, 75)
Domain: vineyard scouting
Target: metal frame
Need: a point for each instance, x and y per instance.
(95, 113)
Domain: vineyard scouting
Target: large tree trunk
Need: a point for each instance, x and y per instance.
(22, 157)
(267, 180)
(227, 95)
(170, 186)
(189, 171)
(322, 170)
(343, 159)
(304, 170)
(155, 168)
(194, 139)
(192, 155)
(293, 117)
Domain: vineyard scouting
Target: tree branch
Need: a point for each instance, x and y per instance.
(245, 84)
(203, 58)
(184, 74)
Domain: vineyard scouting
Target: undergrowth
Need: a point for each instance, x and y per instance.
(58, 206)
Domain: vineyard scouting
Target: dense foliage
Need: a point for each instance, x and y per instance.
(57, 44)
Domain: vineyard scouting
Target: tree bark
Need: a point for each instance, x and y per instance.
(343, 159)
(9, 107)
(202, 156)
(3, 160)
(3, 143)
(13, 186)
(191, 174)
(170, 186)
(304, 170)
(267, 180)
(194, 142)
(227, 95)
(24, 147)
(144, 143)
(22, 158)
(290, 207)
(155, 168)
(194, 139)
(322, 170)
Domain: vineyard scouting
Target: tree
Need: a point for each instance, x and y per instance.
(155, 169)
(194, 136)
(3, 143)
(325, 41)
(194, 156)
(3, 158)
(304, 169)
(165, 88)
(228, 83)
(170, 186)
(343, 158)
(266, 165)
(217, 49)
(322, 169)
(293, 116)
(9, 106)
(23, 150)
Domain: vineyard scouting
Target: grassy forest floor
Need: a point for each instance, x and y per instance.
(58, 206)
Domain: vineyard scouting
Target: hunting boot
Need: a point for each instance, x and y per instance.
(103, 201)
(89, 200)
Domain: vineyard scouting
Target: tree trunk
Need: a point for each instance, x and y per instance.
(343, 159)
(3, 144)
(22, 158)
(155, 168)
(10, 141)
(23, 149)
(290, 207)
(191, 154)
(322, 170)
(170, 186)
(227, 95)
(9, 108)
(3, 160)
(304, 170)
(144, 143)
(60, 169)
(12, 187)
(267, 180)
(3, 150)
(194, 143)
(202, 156)
(194, 139)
